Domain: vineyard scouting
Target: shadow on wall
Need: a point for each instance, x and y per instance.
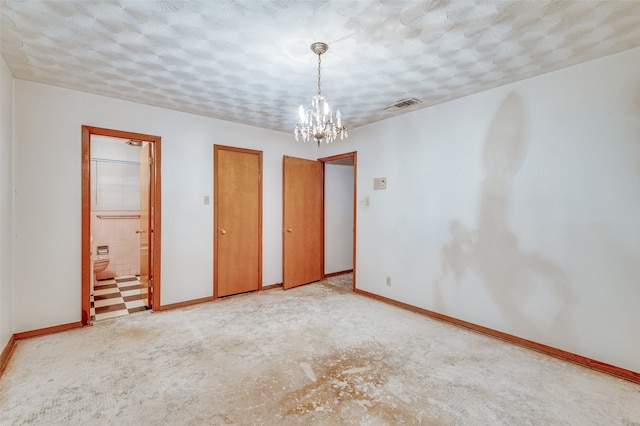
(516, 281)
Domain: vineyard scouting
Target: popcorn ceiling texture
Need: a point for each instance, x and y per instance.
(250, 62)
(318, 354)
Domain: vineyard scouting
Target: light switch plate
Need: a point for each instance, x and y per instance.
(379, 183)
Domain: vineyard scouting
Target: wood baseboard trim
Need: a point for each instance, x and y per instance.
(183, 304)
(47, 330)
(204, 299)
(6, 353)
(333, 274)
(583, 361)
(271, 286)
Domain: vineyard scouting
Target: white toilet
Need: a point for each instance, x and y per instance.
(99, 263)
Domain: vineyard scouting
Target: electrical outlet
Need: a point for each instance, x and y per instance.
(388, 281)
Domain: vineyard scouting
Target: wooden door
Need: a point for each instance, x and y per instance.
(145, 224)
(237, 220)
(302, 221)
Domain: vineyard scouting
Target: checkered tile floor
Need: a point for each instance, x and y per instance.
(116, 297)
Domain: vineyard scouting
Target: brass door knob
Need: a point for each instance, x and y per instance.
(140, 231)
(222, 231)
(289, 229)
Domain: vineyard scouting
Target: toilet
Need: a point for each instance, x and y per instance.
(100, 263)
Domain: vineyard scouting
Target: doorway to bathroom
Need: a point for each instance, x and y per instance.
(120, 223)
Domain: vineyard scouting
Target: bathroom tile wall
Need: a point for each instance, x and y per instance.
(120, 235)
(115, 191)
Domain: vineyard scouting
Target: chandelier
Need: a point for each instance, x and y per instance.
(317, 122)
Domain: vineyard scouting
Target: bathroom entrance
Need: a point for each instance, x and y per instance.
(120, 223)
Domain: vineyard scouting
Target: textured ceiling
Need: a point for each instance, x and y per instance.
(250, 62)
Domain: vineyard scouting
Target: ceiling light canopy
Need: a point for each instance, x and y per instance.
(317, 122)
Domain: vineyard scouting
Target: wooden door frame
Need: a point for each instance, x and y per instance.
(217, 148)
(156, 204)
(325, 160)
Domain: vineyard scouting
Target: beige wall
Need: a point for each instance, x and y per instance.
(47, 174)
(121, 238)
(338, 218)
(115, 204)
(6, 204)
(517, 209)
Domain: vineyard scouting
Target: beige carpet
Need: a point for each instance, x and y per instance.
(318, 354)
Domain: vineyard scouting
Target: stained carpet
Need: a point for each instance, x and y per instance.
(317, 354)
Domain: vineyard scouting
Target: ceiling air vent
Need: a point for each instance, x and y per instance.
(404, 103)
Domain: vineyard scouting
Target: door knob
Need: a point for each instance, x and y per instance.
(289, 229)
(140, 231)
(222, 231)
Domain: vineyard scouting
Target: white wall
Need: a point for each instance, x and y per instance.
(338, 218)
(48, 199)
(517, 209)
(6, 204)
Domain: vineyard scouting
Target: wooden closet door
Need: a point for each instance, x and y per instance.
(237, 221)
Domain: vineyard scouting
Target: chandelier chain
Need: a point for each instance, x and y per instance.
(319, 61)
